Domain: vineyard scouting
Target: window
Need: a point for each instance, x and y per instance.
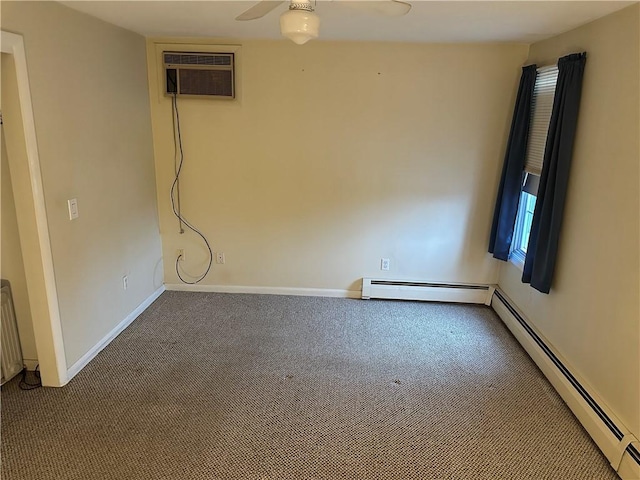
(543, 94)
(523, 226)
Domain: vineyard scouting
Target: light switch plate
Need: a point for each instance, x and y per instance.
(73, 208)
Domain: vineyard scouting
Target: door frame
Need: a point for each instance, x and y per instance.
(41, 279)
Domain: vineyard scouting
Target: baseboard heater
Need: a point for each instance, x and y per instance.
(426, 291)
(619, 446)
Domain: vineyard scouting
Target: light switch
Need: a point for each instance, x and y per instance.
(73, 208)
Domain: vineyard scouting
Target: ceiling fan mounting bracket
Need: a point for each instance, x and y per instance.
(301, 6)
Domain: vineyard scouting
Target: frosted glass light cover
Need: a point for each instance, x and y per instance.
(299, 26)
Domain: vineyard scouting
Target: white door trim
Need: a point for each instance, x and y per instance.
(48, 331)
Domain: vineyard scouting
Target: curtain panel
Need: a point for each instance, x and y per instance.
(547, 218)
(504, 215)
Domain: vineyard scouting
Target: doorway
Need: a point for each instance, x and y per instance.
(19, 138)
(12, 265)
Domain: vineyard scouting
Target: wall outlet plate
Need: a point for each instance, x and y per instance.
(220, 258)
(385, 264)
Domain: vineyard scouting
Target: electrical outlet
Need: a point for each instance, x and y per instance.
(220, 258)
(125, 282)
(385, 264)
(180, 254)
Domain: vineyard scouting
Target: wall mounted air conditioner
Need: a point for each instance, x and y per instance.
(199, 74)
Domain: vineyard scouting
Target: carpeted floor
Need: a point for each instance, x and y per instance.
(216, 386)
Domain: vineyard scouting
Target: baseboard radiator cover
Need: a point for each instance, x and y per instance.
(10, 346)
(620, 447)
(426, 291)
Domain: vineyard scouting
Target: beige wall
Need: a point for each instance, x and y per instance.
(12, 266)
(591, 315)
(339, 154)
(91, 107)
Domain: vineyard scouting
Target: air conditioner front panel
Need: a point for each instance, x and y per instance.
(206, 82)
(199, 74)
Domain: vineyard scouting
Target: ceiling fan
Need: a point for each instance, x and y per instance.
(300, 24)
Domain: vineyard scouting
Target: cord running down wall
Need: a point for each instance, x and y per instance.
(175, 193)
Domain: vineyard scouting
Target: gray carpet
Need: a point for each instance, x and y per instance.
(215, 386)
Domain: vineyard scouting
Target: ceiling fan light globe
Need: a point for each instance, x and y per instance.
(299, 26)
(299, 38)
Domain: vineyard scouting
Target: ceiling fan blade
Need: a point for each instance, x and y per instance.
(393, 8)
(389, 8)
(259, 10)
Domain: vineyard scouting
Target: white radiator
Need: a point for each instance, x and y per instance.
(10, 343)
(426, 291)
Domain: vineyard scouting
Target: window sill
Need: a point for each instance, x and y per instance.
(517, 259)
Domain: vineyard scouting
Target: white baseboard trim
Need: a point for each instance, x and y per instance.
(305, 292)
(90, 355)
(607, 431)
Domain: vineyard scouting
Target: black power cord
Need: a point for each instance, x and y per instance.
(175, 191)
(25, 385)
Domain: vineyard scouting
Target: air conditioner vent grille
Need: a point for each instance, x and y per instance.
(214, 59)
(206, 82)
(204, 75)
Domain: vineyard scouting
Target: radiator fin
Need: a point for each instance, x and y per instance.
(12, 363)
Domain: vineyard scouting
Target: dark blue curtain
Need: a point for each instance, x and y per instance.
(547, 218)
(504, 215)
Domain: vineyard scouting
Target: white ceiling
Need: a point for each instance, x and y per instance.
(428, 21)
